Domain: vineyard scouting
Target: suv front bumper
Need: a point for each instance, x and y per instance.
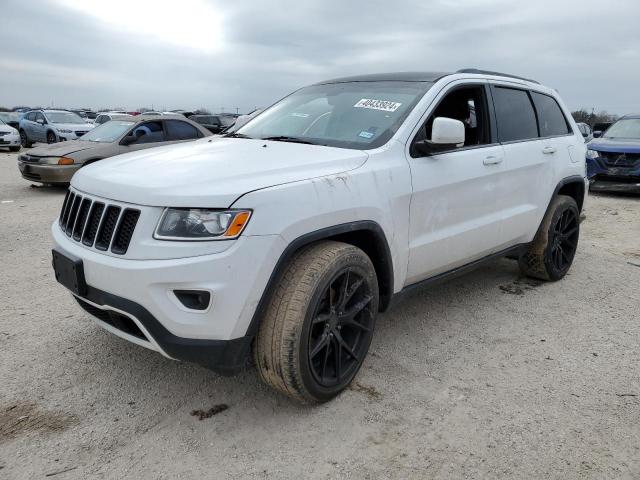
(134, 299)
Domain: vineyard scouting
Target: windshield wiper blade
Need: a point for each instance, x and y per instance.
(236, 135)
(284, 138)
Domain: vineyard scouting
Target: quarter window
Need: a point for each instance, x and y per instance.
(552, 120)
(515, 117)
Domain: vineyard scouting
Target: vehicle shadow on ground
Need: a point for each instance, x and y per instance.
(149, 376)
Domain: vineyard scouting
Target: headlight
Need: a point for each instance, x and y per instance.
(64, 130)
(592, 154)
(201, 224)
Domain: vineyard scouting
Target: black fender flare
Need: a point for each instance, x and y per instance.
(336, 232)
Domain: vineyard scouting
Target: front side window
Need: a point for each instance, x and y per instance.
(148, 132)
(625, 128)
(550, 117)
(467, 104)
(40, 116)
(356, 115)
(178, 130)
(65, 117)
(31, 116)
(515, 117)
(107, 132)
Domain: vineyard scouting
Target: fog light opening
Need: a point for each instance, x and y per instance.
(194, 299)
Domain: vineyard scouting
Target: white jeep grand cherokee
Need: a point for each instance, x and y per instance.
(283, 240)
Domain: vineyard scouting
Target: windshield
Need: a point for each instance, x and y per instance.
(64, 117)
(358, 115)
(107, 132)
(628, 128)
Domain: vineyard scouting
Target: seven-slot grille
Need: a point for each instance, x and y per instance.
(97, 224)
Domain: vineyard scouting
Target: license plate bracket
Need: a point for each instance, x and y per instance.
(69, 272)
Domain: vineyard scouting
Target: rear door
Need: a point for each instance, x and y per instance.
(525, 131)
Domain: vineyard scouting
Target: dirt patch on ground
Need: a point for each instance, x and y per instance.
(520, 286)
(21, 418)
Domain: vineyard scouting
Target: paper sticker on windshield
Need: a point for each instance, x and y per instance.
(301, 115)
(366, 134)
(383, 105)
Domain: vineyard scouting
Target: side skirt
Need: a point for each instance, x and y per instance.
(512, 252)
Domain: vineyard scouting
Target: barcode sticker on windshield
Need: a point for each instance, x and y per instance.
(384, 105)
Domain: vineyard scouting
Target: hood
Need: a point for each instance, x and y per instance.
(210, 173)
(8, 129)
(619, 145)
(61, 149)
(84, 127)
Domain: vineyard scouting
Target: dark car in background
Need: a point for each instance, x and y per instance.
(600, 127)
(613, 160)
(214, 123)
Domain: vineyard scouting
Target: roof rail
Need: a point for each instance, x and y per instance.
(489, 72)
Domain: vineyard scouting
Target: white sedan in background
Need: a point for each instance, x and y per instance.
(9, 137)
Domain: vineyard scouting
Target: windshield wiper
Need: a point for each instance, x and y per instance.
(284, 138)
(236, 135)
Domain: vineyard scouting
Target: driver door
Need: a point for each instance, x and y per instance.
(455, 215)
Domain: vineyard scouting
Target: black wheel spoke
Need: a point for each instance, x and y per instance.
(320, 344)
(322, 318)
(352, 290)
(346, 347)
(357, 307)
(353, 323)
(337, 353)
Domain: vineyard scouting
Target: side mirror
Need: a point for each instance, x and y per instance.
(446, 133)
(128, 140)
(597, 133)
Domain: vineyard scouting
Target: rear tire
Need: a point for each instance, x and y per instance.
(319, 323)
(24, 140)
(552, 251)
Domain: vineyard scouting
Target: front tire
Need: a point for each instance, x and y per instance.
(14, 149)
(24, 140)
(51, 137)
(552, 251)
(319, 323)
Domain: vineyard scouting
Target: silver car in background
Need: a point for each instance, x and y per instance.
(51, 126)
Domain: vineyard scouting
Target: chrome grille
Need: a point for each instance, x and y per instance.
(97, 224)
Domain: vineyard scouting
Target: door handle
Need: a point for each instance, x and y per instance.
(492, 160)
(549, 150)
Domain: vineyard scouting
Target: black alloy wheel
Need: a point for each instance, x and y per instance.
(564, 240)
(341, 329)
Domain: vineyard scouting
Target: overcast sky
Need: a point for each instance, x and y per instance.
(209, 53)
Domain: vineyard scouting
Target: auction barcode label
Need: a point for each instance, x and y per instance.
(385, 105)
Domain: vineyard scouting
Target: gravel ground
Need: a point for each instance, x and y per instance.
(486, 376)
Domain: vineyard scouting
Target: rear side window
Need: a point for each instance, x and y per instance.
(552, 120)
(178, 130)
(515, 117)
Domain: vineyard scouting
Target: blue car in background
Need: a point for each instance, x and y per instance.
(613, 160)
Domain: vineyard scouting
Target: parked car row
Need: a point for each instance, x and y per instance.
(56, 164)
